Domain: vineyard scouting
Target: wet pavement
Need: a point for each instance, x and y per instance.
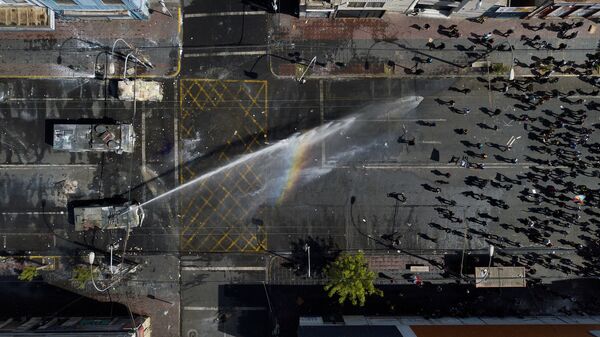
(40, 183)
(213, 244)
(372, 160)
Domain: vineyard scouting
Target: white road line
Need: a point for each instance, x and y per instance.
(399, 120)
(228, 53)
(206, 15)
(42, 99)
(37, 166)
(225, 268)
(193, 308)
(430, 142)
(27, 233)
(441, 166)
(32, 213)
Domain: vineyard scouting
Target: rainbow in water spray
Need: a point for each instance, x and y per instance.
(298, 161)
(299, 156)
(296, 149)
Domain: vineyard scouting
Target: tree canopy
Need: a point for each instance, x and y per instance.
(28, 273)
(350, 279)
(82, 274)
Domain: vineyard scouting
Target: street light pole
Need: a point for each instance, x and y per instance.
(277, 9)
(307, 249)
(275, 331)
(143, 60)
(125, 66)
(511, 74)
(164, 8)
(111, 69)
(486, 272)
(491, 256)
(91, 258)
(301, 79)
(111, 248)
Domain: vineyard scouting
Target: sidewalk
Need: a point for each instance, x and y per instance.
(153, 291)
(387, 47)
(391, 269)
(442, 267)
(77, 49)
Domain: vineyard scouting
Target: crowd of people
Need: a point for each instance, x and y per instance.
(564, 147)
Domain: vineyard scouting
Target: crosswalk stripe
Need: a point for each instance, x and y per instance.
(194, 308)
(225, 268)
(228, 53)
(205, 15)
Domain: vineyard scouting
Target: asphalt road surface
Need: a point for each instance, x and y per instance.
(268, 162)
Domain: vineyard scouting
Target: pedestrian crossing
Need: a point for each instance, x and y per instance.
(228, 53)
(216, 31)
(204, 15)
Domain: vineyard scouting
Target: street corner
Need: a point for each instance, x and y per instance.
(154, 47)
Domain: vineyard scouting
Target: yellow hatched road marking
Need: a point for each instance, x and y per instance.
(211, 214)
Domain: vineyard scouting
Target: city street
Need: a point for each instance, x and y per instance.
(270, 151)
(224, 293)
(40, 184)
(343, 189)
(379, 163)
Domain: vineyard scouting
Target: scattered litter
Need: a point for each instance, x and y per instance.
(144, 91)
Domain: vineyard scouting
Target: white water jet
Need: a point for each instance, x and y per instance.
(309, 138)
(285, 162)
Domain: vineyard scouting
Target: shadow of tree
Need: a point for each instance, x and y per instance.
(322, 252)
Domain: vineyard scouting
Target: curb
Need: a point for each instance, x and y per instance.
(400, 76)
(165, 76)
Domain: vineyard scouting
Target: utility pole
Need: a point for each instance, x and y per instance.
(301, 79)
(307, 249)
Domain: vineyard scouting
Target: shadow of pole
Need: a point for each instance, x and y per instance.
(414, 50)
(398, 249)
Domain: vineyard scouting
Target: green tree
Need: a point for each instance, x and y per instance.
(499, 69)
(81, 275)
(350, 278)
(28, 273)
